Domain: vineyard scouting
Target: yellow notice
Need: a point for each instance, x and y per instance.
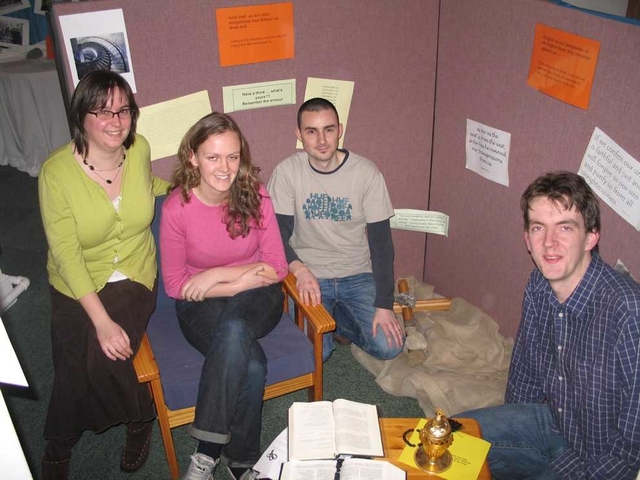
(338, 92)
(563, 65)
(259, 95)
(468, 453)
(164, 124)
(420, 221)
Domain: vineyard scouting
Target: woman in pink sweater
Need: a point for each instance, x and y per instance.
(222, 260)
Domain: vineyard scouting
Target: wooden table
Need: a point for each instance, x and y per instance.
(392, 430)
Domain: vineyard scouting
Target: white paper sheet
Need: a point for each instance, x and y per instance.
(614, 175)
(420, 221)
(488, 152)
(11, 371)
(273, 457)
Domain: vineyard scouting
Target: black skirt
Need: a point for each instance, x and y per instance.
(91, 392)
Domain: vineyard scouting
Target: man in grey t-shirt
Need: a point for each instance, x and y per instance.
(333, 210)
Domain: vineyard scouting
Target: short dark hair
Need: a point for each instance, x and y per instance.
(93, 93)
(568, 190)
(315, 105)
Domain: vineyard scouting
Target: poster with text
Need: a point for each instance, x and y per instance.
(97, 41)
(487, 151)
(614, 175)
(563, 65)
(257, 33)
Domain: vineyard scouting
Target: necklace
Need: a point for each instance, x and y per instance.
(106, 180)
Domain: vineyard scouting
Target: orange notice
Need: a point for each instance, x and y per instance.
(563, 65)
(258, 33)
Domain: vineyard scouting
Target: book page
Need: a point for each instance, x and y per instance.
(357, 428)
(311, 431)
(361, 469)
(309, 470)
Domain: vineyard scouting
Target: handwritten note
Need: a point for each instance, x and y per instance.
(421, 221)
(487, 151)
(614, 175)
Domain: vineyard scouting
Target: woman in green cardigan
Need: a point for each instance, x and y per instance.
(97, 198)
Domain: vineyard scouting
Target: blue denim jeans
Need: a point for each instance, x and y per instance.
(522, 441)
(349, 301)
(225, 330)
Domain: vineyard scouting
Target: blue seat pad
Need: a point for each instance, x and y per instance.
(289, 354)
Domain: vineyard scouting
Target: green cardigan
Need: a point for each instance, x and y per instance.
(84, 231)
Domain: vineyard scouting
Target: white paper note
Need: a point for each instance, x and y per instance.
(421, 221)
(488, 152)
(259, 95)
(614, 175)
(273, 457)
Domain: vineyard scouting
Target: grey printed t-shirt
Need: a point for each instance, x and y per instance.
(331, 211)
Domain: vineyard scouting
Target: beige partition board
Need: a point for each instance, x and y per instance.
(483, 62)
(387, 48)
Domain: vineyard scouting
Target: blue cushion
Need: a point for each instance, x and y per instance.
(288, 350)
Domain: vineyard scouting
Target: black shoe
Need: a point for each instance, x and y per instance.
(55, 469)
(340, 340)
(136, 450)
(56, 458)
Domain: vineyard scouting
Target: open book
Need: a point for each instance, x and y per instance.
(351, 469)
(324, 430)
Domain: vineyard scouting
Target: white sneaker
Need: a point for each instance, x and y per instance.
(202, 467)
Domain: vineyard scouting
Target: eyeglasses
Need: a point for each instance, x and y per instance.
(108, 114)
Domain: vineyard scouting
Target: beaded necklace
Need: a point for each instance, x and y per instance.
(95, 170)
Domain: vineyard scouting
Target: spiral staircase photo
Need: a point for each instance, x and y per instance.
(100, 53)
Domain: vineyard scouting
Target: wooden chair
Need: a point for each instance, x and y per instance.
(171, 366)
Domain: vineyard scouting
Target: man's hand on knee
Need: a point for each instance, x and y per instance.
(386, 320)
(306, 283)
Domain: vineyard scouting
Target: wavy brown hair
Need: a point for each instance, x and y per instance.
(243, 204)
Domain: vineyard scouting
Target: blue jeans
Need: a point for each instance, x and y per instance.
(522, 441)
(350, 301)
(225, 330)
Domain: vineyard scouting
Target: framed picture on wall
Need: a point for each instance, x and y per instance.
(42, 7)
(8, 6)
(13, 31)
